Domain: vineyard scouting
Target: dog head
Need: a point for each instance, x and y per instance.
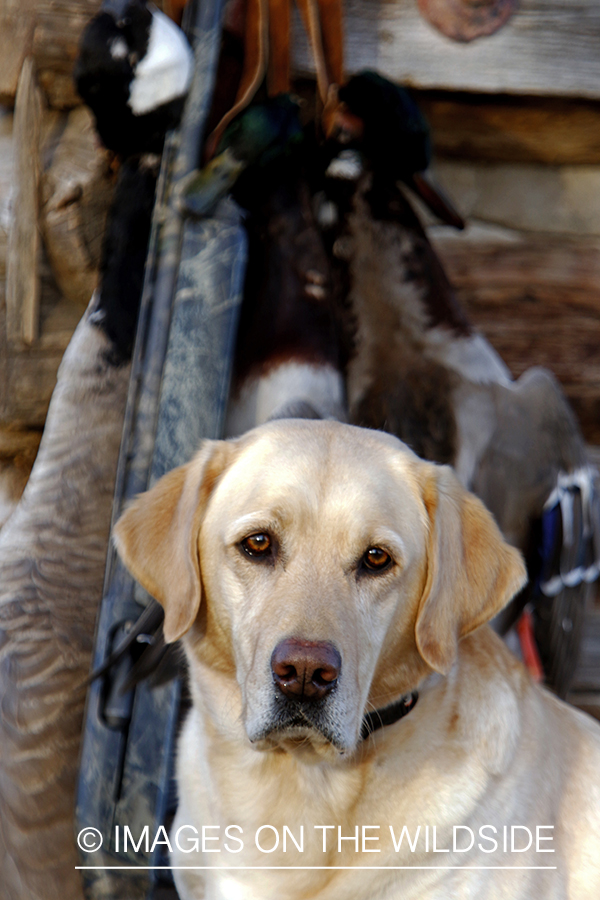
(325, 568)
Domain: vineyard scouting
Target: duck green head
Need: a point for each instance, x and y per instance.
(258, 136)
(263, 131)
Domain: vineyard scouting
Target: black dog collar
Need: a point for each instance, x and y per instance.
(377, 718)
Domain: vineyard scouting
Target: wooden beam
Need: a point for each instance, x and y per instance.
(59, 24)
(28, 374)
(19, 441)
(77, 189)
(554, 131)
(548, 47)
(525, 196)
(17, 23)
(22, 280)
(49, 30)
(535, 298)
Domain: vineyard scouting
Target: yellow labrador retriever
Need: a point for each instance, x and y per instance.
(357, 731)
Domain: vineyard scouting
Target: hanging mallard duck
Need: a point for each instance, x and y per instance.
(421, 371)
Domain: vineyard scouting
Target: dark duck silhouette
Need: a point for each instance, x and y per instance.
(383, 121)
(133, 70)
(420, 370)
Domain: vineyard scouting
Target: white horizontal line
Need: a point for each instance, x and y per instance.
(307, 868)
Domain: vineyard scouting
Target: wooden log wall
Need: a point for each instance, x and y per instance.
(513, 129)
(47, 30)
(74, 194)
(55, 189)
(536, 297)
(547, 48)
(526, 174)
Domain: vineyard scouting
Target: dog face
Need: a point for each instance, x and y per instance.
(323, 567)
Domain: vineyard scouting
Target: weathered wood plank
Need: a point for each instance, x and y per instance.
(33, 378)
(59, 24)
(77, 189)
(553, 130)
(18, 450)
(22, 281)
(525, 196)
(6, 180)
(537, 300)
(77, 184)
(49, 30)
(28, 374)
(17, 441)
(547, 47)
(6, 190)
(16, 32)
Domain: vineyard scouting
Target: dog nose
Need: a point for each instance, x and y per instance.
(305, 670)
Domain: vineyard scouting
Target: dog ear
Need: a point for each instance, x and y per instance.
(472, 571)
(157, 536)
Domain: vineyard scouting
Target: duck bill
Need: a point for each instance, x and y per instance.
(342, 125)
(200, 191)
(434, 199)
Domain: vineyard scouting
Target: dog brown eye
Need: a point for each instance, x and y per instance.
(376, 559)
(257, 544)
